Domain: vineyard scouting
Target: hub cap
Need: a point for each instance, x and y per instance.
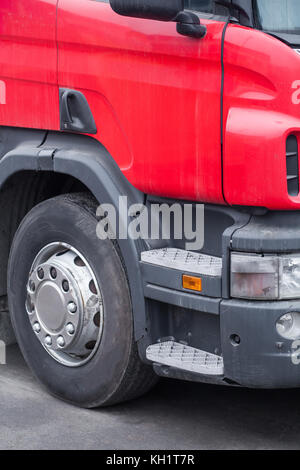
(64, 304)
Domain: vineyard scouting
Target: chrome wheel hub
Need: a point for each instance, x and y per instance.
(64, 304)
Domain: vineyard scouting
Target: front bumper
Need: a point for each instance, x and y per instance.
(262, 359)
(208, 321)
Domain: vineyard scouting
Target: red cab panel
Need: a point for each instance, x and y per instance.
(155, 96)
(28, 65)
(260, 111)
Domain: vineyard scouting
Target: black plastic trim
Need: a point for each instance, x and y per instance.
(292, 165)
(262, 358)
(75, 112)
(172, 278)
(182, 299)
(154, 10)
(274, 232)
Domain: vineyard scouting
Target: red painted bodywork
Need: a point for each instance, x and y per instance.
(259, 114)
(156, 97)
(28, 64)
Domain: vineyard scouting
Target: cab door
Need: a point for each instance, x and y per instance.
(155, 95)
(28, 64)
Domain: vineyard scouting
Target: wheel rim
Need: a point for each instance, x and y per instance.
(64, 304)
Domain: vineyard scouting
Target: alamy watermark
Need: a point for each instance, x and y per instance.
(2, 353)
(296, 93)
(2, 92)
(157, 222)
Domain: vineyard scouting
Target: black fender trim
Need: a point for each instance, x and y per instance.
(85, 159)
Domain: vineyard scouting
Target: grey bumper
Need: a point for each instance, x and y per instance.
(262, 359)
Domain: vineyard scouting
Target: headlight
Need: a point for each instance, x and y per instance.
(268, 277)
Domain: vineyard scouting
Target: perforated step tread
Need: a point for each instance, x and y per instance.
(180, 356)
(185, 261)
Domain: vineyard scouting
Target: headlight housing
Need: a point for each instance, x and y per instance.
(265, 277)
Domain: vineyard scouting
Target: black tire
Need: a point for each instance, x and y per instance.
(115, 373)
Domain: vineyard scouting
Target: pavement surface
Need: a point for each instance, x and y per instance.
(175, 415)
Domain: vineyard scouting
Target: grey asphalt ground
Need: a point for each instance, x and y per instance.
(175, 415)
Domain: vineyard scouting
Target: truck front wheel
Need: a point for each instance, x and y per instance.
(70, 306)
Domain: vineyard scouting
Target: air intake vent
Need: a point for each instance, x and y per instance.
(292, 165)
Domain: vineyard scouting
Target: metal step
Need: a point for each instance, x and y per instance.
(185, 261)
(186, 358)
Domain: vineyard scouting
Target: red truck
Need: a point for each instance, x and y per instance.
(193, 103)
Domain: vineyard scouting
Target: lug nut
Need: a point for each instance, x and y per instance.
(32, 286)
(48, 341)
(29, 305)
(41, 273)
(60, 342)
(72, 307)
(70, 328)
(65, 285)
(53, 273)
(36, 327)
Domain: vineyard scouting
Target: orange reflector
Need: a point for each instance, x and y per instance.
(192, 283)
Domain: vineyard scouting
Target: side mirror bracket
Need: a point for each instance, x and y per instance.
(188, 24)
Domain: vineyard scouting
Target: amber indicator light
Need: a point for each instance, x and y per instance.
(192, 283)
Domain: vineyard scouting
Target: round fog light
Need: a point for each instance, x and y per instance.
(288, 326)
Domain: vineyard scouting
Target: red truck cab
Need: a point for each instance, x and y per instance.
(193, 103)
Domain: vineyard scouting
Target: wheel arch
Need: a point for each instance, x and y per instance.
(55, 163)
